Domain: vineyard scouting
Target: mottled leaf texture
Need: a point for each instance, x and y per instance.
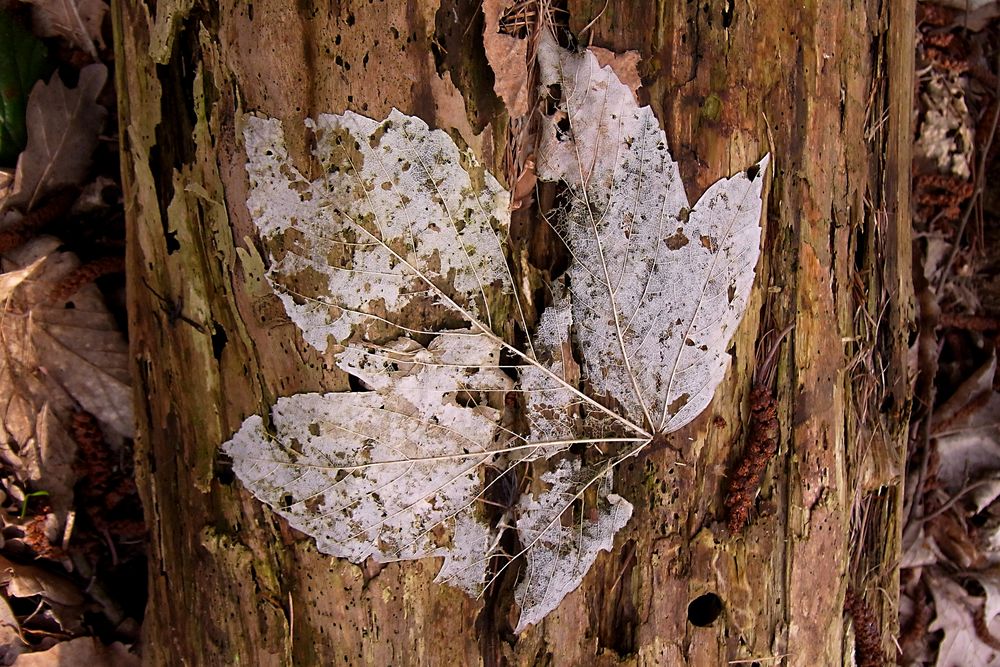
(557, 556)
(658, 288)
(401, 227)
(320, 471)
(397, 207)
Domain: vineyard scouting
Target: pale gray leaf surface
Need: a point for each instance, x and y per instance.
(397, 206)
(63, 128)
(558, 556)
(325, 468)
(548, 403)
(656, 297)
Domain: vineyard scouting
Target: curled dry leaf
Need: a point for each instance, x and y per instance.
(624, 65)
(11, 644)
(56, 358)
(967, 431)
(24, 581)
(63, 128)
(945, 137)
(401, 227)
(78, 21)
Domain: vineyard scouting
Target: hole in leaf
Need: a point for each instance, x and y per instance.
(553, 99)
(704, 609)
(508, 363)
(752, 172)
(466, 399)
(356, 384)
(562, 129)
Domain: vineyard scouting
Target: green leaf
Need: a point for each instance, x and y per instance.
(23, 61)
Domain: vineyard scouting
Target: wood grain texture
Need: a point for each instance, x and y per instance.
(229, 583)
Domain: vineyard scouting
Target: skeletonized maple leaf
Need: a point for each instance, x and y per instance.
(402, 231)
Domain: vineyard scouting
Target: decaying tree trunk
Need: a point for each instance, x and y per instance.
(826, 86)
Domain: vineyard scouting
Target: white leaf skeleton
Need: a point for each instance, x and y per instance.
(399, 224)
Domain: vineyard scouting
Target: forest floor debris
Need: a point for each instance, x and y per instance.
(72, 536)
(950, 598)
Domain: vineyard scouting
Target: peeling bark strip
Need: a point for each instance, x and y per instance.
(225, 588)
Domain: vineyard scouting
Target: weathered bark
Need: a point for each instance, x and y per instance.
(826, 86)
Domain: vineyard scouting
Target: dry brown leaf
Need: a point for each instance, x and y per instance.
(625, 65)
(24, 581)
(956, 612)
(507, 56)
(11, 644)
(54, 359)
(967, 430)
(78, 21)
(81, 652)
(6, 185)
(63, 128)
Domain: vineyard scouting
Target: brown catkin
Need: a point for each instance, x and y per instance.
(867, 636)
(934, 15)
(108, 496)
(84, 275)
(940, 191)
(33, 223)
(762, 445)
